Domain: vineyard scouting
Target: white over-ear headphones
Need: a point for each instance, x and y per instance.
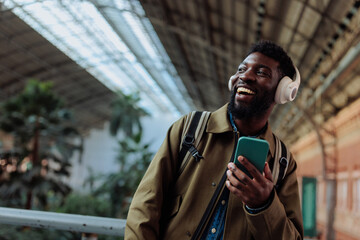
(286, 90)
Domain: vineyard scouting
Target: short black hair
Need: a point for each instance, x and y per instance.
(271, 50)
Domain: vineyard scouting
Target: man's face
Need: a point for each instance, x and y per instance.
(254, 86)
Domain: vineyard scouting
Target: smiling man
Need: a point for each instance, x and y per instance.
(212, 198)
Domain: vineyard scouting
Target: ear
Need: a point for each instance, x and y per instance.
(287, 88)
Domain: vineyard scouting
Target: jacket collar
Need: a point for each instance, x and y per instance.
(219, 123)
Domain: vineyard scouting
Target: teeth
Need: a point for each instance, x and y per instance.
(246, 90)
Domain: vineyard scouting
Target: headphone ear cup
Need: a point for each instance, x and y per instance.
(284, 90)
(287, 88)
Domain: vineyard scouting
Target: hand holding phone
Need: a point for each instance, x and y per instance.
(253, 149)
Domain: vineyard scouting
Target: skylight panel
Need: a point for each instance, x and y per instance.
(80, 31)
(119, 79)
(139, 32)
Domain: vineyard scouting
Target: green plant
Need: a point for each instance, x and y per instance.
(118, 187)
(126, 114)
(85, 204)
(44, 140)
(132, 160)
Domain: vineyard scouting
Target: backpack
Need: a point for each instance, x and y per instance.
(193, 130)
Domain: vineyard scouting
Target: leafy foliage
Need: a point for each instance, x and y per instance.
(132, 160)
(118, 187)
(85, 204)
(43, 143)
(126, 114)
(39, 124)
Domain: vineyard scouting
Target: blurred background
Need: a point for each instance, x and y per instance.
(88, 89)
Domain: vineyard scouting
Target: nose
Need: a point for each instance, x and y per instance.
(247, 75)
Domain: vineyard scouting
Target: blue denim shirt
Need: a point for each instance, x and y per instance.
(215, 228)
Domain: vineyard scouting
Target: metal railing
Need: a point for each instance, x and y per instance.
(63, 221)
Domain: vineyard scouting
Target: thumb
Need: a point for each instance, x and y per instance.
(267, 172)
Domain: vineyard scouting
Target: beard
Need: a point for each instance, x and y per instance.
(257, 108)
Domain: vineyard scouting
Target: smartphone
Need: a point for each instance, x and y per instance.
(253, 149)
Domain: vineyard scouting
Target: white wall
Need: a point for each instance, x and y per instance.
(100, 149)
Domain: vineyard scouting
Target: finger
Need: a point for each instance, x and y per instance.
(233, 189)
(235, 182)
(267, 172)
(238, 174)
(232, 166)
(239, 192)
(251, 169)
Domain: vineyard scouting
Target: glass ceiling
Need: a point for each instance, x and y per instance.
(113, 41)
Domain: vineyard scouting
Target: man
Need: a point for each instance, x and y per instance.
(168, 206)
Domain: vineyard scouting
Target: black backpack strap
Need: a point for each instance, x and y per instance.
(194, 127)
(187, 144)
(281, 162)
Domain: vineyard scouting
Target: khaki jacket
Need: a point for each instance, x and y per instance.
(167, 207)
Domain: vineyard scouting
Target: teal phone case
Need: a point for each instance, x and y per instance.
(255, 150)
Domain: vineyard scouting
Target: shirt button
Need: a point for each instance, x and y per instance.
(213, 184)
(223, 202)
(188, 234)
(213, 230)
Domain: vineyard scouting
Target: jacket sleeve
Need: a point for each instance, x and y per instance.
(143, 220)
(282, 219)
